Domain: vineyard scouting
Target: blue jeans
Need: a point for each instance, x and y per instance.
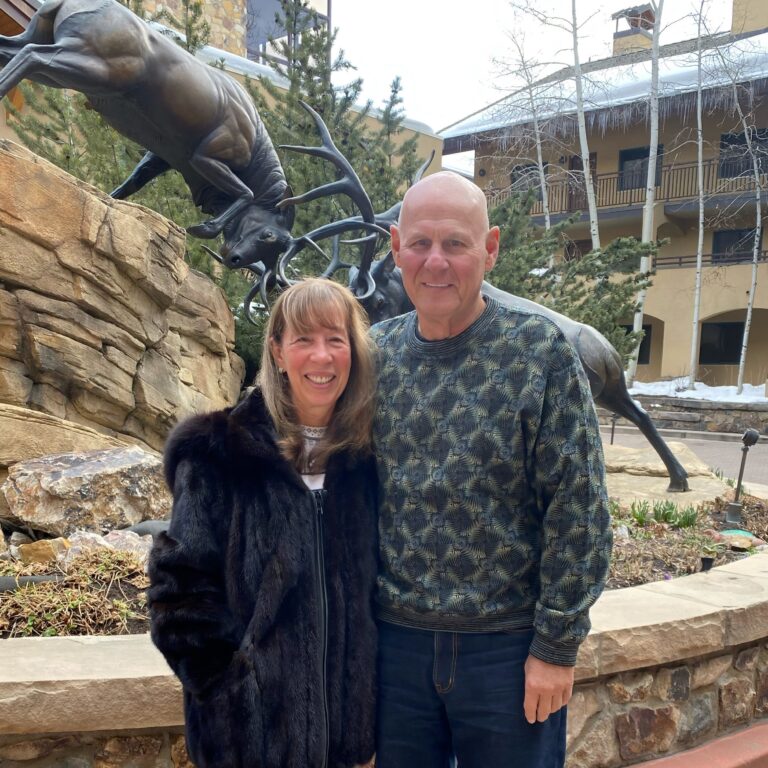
(447, 696)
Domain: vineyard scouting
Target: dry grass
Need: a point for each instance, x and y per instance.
(102, 593)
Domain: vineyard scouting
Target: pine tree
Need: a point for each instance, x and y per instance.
(598, 289)
(384, 166)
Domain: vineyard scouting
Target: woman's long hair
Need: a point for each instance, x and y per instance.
(307, 304)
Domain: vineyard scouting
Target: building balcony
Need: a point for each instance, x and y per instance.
(688, 261)
(725, 181)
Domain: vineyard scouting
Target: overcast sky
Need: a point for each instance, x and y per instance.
(443, 50)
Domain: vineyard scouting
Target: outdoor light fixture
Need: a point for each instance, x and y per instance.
(733, 510)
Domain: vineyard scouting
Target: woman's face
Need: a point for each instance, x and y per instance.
(317, 364)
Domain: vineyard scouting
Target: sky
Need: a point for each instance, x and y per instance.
(444, 50)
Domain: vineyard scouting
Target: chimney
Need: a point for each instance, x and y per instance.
(749, 16)
(639, 34)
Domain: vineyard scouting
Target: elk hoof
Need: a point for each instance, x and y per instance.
(207, 230)
(679, 485)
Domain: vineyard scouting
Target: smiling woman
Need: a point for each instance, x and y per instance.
(261, 591)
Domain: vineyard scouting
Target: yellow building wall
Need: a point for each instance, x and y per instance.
(749, 15)
(669, 302)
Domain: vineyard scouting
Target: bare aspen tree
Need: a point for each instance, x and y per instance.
(730, 68)
(571, 26)
(694, 362)
(648, 229)
(583, 143)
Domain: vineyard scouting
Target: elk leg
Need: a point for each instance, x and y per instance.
(221, 176)
(58, 66)
(149, 167)
(39, 30)
(616, 397)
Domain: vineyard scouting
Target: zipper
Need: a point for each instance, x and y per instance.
(318, 496)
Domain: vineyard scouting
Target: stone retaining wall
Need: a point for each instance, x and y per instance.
(668, 665)
(700, 415)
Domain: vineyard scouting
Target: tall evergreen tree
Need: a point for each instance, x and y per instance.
(303, 58)
(598, 288)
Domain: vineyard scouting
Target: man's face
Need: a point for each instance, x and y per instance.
(444, 248)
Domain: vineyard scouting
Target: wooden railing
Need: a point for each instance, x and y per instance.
(708, 260)
(567, 193)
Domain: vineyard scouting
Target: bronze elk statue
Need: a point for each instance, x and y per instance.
(199, 121)
(189, 116)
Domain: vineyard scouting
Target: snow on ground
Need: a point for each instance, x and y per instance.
(751, 393)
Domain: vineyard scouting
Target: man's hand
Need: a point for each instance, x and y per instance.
(547, 688)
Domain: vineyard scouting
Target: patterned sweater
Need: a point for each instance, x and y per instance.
(494, 514)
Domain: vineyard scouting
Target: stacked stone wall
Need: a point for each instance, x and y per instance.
(636, 715)
(700, 415)
(227, 19)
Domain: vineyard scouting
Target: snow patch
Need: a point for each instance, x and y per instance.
(750, 393)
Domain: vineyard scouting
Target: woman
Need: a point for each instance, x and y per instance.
(261, 591)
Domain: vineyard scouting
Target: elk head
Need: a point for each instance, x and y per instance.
(257, 235)
(389, 299)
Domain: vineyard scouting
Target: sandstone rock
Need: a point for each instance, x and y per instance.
(645, 461)
(631, 686)
(128, 541)
(82, 543)
(761, 691)
(737, 702)
(102, 322)
(673, 684)
(746, 661)
(10, 327)
(127, 750)
(30, 434)
(598, 746)
(15, 385)
(35, 749)
(97, 491)
(706, 672)
(4, 550)
(699, 719)
(179, 755)
(646, 730)
(584, 704)
(43, 550)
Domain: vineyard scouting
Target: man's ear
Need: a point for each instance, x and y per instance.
(492, 248)
(394, 234)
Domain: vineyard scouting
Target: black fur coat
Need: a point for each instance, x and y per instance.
(237, 603)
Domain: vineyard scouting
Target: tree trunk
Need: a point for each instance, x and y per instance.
(648, 232)
(583, 143)
(694, 362)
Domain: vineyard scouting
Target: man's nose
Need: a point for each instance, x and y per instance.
(435, 258)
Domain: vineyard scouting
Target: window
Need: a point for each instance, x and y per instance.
(735, 159)
(720, 343)
(644, 357)
(731, 246)
(575, 249)
(633, 167)
(525, 177)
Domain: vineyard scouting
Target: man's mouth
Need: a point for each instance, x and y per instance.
(437, 285)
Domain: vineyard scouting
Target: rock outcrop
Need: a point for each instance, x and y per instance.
(96, 491)
(102, 322)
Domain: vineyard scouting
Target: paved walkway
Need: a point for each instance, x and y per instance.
(744, 749)
(724, 453)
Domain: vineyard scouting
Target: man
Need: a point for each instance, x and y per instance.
(494, 529)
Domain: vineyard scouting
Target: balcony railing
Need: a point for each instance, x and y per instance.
(567, 193)
(708, 260)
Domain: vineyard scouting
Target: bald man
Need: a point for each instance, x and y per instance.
(494, 528)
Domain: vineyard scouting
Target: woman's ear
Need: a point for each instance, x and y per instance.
(277, 353)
